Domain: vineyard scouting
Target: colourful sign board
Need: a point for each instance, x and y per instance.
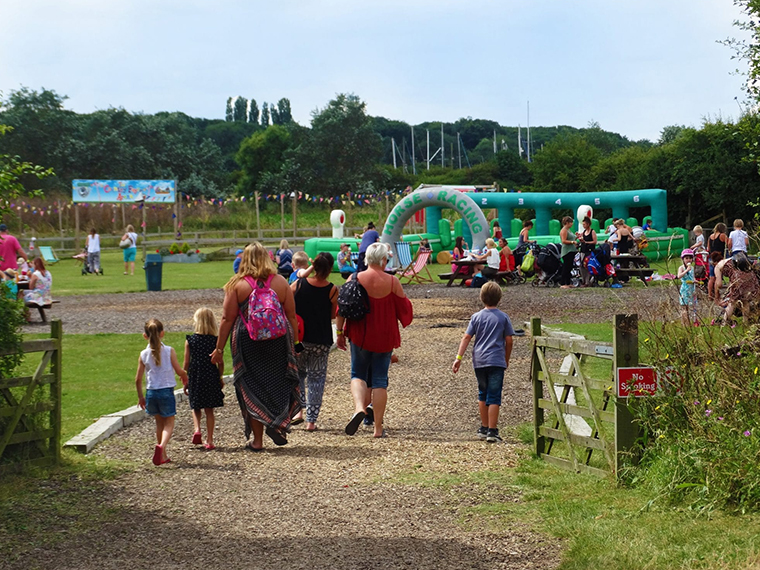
(124, 191)
(637, 381)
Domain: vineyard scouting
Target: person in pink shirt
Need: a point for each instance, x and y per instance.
(9, 249)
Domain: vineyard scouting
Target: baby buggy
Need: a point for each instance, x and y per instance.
(548, 266)
(86, 269)
(600, 268)
(525, 268)
(701, 268)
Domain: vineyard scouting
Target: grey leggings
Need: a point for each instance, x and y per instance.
(93, 261)
(312, 373)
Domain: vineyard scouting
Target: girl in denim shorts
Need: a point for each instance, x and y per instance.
(159, 363)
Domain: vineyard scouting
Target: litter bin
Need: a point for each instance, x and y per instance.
(153, 268)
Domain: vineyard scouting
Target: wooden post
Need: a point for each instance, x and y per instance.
(145, 231)
(76, 227)
(539, 444)
(295, 214)
(179, 208)
(123, 217)
(258, 215)
(626, 348)
(282, 215)
(56, 333)
(60, 222)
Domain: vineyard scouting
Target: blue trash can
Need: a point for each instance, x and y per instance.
(153, 269)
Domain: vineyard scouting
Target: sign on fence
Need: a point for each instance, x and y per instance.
(124, 191)
(639, 381)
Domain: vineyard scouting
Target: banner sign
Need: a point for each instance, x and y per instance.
(636, 381)
(124, 191)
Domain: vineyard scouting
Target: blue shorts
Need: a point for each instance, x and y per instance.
(161, 402)
(372, 366)
(130, 254)
(490, 383)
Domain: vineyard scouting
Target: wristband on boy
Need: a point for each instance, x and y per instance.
(459, 357)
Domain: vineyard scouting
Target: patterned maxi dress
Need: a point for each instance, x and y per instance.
(743, 287)
(266, 377)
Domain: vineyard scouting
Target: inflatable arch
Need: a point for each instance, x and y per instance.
(435, 198)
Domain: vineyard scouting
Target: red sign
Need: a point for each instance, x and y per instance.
(639, 381)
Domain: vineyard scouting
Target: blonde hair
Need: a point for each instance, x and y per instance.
(738, 223)
(300, 260)
(205, 322)
(697, 229)
(490, 243)
(255, 263)
(153, 330)
(130, 228)
(284, 244)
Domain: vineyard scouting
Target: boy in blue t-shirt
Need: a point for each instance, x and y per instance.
(493, 334)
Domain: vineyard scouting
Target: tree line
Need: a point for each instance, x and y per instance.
(707, 170)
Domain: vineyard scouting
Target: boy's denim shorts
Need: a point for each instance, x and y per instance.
(161, 402)
(372, 367)
(490, 384)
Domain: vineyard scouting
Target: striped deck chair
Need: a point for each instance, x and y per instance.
(415, 272)
(404, 259)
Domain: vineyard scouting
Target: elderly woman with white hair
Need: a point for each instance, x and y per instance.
(374, 337)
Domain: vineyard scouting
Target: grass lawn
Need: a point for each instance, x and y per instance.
(99, 374)
(600, 524)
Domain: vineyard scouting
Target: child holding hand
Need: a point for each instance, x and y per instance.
(205, 378)
(493, 334)
(159, 363)
(301, 267)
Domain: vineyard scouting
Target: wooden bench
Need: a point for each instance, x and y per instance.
(41, 308)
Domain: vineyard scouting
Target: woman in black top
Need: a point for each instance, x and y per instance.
(316, 303)
(716, 246)
(625, 239)
(587, 245)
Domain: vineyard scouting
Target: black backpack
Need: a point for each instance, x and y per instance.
(353, 301)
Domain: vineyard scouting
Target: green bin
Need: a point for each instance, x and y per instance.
(153, 268)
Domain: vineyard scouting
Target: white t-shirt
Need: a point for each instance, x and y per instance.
(493, 258)
(133, 237)
(93, 243)
(699, 243)
(158, 376)
(739, 240)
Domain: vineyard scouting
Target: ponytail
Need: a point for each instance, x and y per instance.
(153, 330)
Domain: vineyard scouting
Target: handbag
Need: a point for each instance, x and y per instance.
(125, 243)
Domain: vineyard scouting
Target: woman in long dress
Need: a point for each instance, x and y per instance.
(265, 371)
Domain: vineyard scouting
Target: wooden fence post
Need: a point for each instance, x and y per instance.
(626, 348)
(538, 389)
(56, 333)
(258, 215)
(295, 214)
(282, 215)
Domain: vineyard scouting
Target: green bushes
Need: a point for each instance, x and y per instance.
(701, 440)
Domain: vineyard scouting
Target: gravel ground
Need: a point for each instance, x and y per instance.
(327, 500)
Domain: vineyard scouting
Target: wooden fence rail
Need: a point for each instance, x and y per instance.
(610, 433)
(23, 441)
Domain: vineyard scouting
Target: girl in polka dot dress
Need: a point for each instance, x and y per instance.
(205, 385)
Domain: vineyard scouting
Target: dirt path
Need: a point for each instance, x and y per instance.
(327, 500)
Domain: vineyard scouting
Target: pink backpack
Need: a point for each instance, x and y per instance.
(266, 319)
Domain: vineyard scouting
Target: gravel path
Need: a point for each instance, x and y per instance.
(327, 500)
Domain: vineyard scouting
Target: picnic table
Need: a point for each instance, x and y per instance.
(458, 272)
(632, 266)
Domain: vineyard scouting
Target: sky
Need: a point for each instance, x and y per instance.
(634, 67)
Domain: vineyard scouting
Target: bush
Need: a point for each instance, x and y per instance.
(701, 440)
(185, 248)
(11, 319)
(164, 251)
(174, 248)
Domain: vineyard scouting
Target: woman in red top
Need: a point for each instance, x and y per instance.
(506, 259)
(374, 337)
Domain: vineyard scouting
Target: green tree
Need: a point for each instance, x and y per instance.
(229, 114)
(261, 156)
(253, 112)
(513, 172)
(274, 114)
(240, 112)
(563, 165)
(265, 114)
(283, 111)
(670, 133)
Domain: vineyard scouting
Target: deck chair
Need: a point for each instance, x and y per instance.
(404, 258)
(48, 255)
(415, 272)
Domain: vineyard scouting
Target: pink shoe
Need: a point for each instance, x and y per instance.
(158, 455)
(209, 447)
(197, 439)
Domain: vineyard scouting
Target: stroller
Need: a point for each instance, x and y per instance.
(600, 268)
(86, 269)
(701, 268)
(548, 266)
(519, 255)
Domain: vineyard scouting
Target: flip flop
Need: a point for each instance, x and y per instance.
(167, 460)
(249, 447)
(355, 422)
(384, 434)
(158, 454)
(209, 447)
(276, 436)
(296, 421)
(197, 438)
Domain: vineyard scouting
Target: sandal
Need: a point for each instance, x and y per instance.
(353, 425)
(197, 438)
(382, 435)
(249, 447)
(158, 454)
(276, 436)
(209, 447)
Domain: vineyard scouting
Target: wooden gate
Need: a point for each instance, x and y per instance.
(31, 430)
(608, 434)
